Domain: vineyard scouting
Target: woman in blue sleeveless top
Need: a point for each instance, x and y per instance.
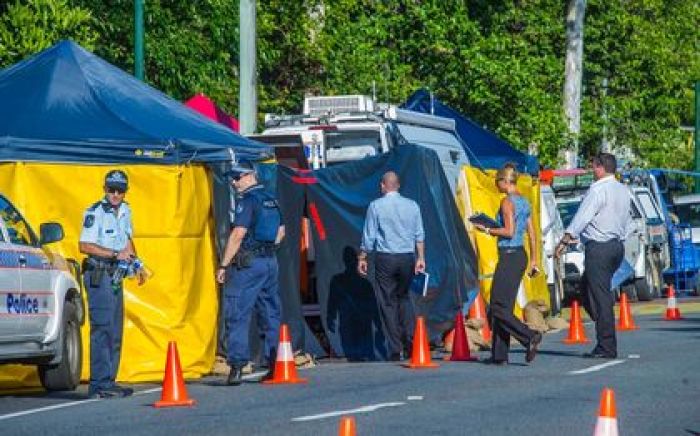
(515, 219)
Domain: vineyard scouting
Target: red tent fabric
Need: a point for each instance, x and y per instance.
(202, 104)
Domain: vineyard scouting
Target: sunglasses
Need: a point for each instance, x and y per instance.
(116, 191)
(239, 177)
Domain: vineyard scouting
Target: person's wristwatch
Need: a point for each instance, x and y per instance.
(222, 266)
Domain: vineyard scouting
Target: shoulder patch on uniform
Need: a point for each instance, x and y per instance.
(94, 206)
(89, 221)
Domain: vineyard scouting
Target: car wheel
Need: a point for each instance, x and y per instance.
(630, 290)
(556, 295)
(65, 376)
(643, 290)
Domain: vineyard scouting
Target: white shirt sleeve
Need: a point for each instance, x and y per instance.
(128, 227)
(589, 208)
(91, 226)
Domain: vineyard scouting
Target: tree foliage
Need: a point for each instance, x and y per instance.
(501, 62)
(29, 27)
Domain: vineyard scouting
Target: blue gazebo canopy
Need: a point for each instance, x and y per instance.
(484, 148)
(66, 104)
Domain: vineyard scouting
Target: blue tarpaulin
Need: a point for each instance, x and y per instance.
(66, 104)
(484, 148)
(336, 199)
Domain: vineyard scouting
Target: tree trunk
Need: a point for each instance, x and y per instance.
(572, 79)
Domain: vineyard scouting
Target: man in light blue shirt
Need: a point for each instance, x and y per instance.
(601, 223)
(106, 238)
(393, 230)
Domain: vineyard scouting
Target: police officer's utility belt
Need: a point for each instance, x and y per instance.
(244, 258)
(98, 266)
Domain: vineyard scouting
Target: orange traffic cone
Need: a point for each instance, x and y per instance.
(347, 426)
(577, 333)
(460, 345)
(673, 313)
(285, 370)
(420, 358)
(607, 415)
(626, 322)
(174, 392)
(478, 311)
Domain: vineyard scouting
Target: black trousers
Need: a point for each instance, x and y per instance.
(601, 261)
(504, 290)
(393, 275)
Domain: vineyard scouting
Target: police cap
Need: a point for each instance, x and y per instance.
(240, 169)
(117, 179)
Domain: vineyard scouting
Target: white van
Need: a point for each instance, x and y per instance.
(552, 232)
(344, 128)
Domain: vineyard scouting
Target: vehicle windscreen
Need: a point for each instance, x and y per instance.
(567, 211)
(688, 213)
(648, 206)
(344, 145)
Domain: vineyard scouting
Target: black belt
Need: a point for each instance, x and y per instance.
(602, 242)
(95, 262)
(510, 250)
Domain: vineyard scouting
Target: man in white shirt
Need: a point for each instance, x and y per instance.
(601, 223)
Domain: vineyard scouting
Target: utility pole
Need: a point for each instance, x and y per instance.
(138, 39)
(248, 99)
(572, 77)
(697, 135)
(605, 145)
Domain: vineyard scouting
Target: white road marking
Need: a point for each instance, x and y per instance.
(414, 397)
(363, 409)
(148, 391)
(633, 356)
(87, 401)
(597, 367)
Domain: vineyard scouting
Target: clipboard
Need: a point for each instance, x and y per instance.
(484, 220)
(419, 284)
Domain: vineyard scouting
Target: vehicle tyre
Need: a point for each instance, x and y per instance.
(645, 286)
(65, 376)
(630, 290)
(556, 295)
(643, 290)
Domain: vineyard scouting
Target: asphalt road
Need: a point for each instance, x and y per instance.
(656, 382)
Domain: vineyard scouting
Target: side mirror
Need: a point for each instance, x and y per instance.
(50, 232)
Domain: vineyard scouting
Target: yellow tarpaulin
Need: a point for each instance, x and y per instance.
(173, 234)
(477, 193)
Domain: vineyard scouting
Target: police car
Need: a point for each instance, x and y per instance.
(41, 305)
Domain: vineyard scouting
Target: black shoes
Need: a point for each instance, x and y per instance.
(126, 391)
(235, 376)
(599, 355)
(115, 391)
(532, 347)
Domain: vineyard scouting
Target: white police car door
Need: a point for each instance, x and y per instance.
(34, 304)
(9, 286)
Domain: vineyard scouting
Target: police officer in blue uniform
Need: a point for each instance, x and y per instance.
(106, 239)
(249, 270)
